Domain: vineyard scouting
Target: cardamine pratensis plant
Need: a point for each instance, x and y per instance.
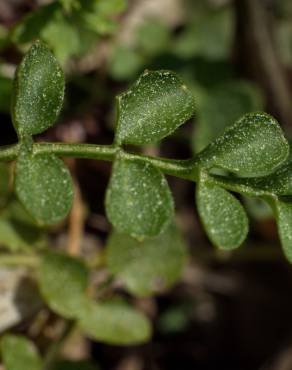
(253, 153)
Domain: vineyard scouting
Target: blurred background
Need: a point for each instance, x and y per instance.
(230, 311)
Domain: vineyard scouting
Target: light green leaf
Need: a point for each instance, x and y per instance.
(125, 63)
(70, 5)
(38, 91)
(153, 37)
(283, 213)
(18, 353)
(149, 266)
(138, 199)
(253, 146)
(30, 26)
(222, 216)
(153, 108)
(115, 322)
(63, 281)
(209, 34)
(63, 36)
(44, 186)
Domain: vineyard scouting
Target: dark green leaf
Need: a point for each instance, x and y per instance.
(18, 231)
(63, 281)
(149, 266)
(138, 199)
(44, 186)
(115, 322)
(18, 353)
(279, 182)
(222, 216)
(283, 212)
(253, 146)
(221, 106)
(153, 108)
(38, 91)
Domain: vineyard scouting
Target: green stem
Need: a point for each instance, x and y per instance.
(185, 169)
(180, 168)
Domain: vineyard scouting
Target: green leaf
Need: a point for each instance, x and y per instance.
(63, 36)
(149, 266)
(138, 199)
(209, 34)
(253, 146)
(38, 91)
(153, 108)
(125, 63)
(63, 281)
(30, 26)
(44, 186)
(283, 213)
(222, 216)
(115, 322)
(18, 353)
(153, 37)
(221, 106)
(278, 183)
(18, 231)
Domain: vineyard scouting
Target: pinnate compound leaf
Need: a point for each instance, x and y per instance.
(115, 322)
(138, 199)
(18, 353)
(63, 281)
(153, 108)
(253, 146)
(222, 216)
(283, 212)
(44, 186)
(38, 91)
(149, 266)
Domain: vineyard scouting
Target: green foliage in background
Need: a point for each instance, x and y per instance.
(70, 27)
